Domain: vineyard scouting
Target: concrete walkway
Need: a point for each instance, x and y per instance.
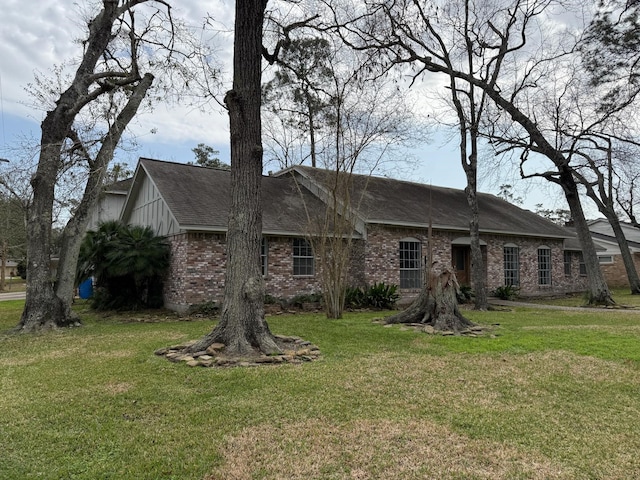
(509, 303)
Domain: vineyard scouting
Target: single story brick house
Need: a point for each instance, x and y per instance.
(190, 204)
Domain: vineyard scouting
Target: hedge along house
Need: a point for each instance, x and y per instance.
(190, 205)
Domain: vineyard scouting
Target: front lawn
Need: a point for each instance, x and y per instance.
(545, 394)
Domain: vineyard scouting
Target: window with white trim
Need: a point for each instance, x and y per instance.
(605, 259)
(303, 260)
(511, 256)
(410, 263)
(544, 266)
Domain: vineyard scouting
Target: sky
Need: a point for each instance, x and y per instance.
(35, 36)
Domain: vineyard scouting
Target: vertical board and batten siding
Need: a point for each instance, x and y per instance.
(109, 208)
(151, 210)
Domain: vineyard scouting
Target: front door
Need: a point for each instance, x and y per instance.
(461, 260)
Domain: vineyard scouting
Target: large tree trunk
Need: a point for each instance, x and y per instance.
(43, 309)
(3, 266)
(470, 166)
(625, 253)
(436, 305)
(242, 327)
(598, 293)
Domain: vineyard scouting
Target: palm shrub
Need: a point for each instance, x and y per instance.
(128, 263)
(506, 292)
(383, 296)
(379, 295)
(355, 297)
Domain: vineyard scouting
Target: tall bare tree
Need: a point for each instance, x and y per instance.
(365, 123)
(599, 181)
(109, 71)
(533, 69)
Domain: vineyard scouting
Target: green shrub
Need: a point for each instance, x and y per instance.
(379, 295)
(299, 300)
(355, 297)
(271, 300)
(465, 294)
(506, 292)
(207, 309)
(128, 263)
(383, 296)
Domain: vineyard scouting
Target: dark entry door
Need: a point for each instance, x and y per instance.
(461, 260)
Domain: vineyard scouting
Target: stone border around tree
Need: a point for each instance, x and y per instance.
(473, 331)
(295, 351)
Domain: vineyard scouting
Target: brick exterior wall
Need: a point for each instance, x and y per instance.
(615, 273)
(280, 281)
(197, 268)
(382, 259)
(198, 262)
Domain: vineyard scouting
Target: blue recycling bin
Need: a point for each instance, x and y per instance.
(85, 289)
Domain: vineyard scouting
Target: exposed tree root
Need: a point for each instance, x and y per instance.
(36, 320)
(291, 350)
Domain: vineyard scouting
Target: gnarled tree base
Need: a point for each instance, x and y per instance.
(436, 305)
(292, 350)
(242, 338)
(46, 315)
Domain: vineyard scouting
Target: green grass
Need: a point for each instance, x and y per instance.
(547, 394)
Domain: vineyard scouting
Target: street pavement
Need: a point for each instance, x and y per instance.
(12, 296)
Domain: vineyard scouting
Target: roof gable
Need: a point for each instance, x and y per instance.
(199, 198)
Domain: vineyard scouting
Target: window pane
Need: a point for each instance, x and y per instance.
(544, 266)
(303, 261)
(567, 263)
(264, 248)
(583, 266)
(511, 266)
(410, 265)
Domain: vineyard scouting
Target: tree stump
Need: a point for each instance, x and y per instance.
(436, 305)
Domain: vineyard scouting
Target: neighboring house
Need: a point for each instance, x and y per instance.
(609, 256)
(11, 269)
(190, 205)
(110, 203)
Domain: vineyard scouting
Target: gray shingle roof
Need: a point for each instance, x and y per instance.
(121, 186)
(391, 201)
(200, 197)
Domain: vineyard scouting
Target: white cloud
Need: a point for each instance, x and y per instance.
(35, 38)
